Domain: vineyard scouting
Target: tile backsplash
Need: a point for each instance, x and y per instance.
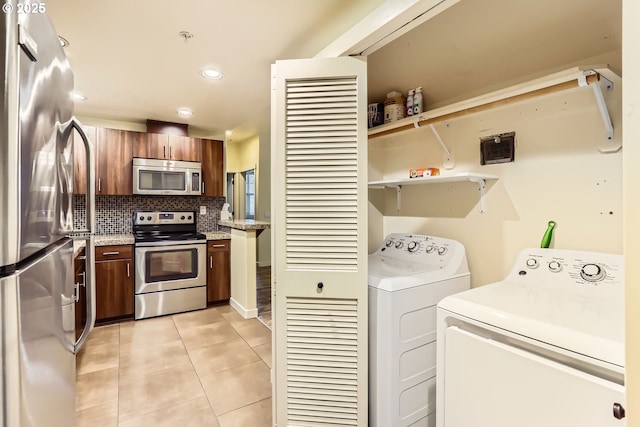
(114, 214)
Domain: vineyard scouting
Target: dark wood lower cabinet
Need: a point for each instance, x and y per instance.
(114, 282)
(218, 271)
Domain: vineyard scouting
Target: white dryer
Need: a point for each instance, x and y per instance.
(544, 347)
(408, 275)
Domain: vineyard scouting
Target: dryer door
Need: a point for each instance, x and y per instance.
(488, 383)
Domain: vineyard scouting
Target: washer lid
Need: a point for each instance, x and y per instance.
(391, 274)
(582, 323)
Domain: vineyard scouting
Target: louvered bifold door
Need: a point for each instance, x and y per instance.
(319, 229)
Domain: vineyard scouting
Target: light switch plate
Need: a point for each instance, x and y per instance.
(203, 210)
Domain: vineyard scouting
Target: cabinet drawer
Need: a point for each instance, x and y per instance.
(218, 245)
(107, 253)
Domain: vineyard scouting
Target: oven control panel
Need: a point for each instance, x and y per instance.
(163, 218)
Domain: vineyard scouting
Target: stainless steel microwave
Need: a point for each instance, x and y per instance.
(166, 177)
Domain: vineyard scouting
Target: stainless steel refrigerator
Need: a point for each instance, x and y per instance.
(37, 290)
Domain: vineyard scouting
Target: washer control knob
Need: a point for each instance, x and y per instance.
(532, 263)
(412, 246)
(555, 266)
(442, 251)
(388, 243)
(430, 249)
(399, 244)
(592, 272)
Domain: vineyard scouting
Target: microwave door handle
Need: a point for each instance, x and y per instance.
(90, 255)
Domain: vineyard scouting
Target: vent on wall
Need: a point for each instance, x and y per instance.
(497, 148)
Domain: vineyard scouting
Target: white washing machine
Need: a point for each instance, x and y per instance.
(544, 347)
(408, 275)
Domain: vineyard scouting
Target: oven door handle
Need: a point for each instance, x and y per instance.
(170, 243)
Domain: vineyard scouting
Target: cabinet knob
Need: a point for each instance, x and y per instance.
(320, 286)
(618, 411)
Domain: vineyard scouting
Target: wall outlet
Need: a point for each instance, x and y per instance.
(203, 210)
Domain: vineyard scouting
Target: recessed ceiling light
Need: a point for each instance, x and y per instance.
(227, 133)
(63, 41)
(184, 112)
(78, 96)
(211, 74)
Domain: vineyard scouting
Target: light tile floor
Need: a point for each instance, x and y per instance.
(202, 368)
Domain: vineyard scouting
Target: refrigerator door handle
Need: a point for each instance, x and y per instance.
(90, 254)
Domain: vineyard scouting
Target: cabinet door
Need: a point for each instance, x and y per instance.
(114, 289)
(212, 168)
(218, 271)
(184, 148)
(113, 161)
(80, 161)
(151, 146)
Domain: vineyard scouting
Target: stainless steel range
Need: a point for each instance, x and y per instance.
(170, 258)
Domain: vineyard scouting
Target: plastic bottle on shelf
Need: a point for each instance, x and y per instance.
(417, 101)
(410, 101)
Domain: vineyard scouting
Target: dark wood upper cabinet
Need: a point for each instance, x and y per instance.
(167, 147)
(114, 161)
(184, 148)
(212, 168)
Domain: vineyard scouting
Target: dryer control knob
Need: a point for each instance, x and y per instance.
(442, 251)
(430, 249)
(555, 266)
(592, 272)
(532, 263)
(412, 246)
(388, 243)
(399, 244)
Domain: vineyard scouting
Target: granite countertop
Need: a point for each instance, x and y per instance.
(80, 243)
(217, 235)
(245, 224)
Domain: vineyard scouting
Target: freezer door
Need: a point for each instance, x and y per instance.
(38, 322)
(492, 384)
(36, 154)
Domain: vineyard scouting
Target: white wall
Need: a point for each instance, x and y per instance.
(558, 174)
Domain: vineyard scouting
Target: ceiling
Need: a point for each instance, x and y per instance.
(477, 46)
(131, 63)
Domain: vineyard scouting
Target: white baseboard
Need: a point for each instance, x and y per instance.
(246, 313)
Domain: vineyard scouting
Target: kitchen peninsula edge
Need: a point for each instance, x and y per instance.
(244, 233)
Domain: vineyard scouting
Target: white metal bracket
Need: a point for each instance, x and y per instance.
(597, 91)
(482, 185)
(448, 163)
(398, 196)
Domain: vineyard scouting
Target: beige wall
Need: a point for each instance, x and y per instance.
(249, 154)
(631, 180)
(559, 174)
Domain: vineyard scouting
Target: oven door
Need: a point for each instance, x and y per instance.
(170, 265)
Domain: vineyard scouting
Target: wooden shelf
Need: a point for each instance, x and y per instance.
(478, 178)
(557, 82)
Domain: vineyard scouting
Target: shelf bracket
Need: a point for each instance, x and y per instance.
(448, 163)
(597, 91)
(398, 197)
(482, 185)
